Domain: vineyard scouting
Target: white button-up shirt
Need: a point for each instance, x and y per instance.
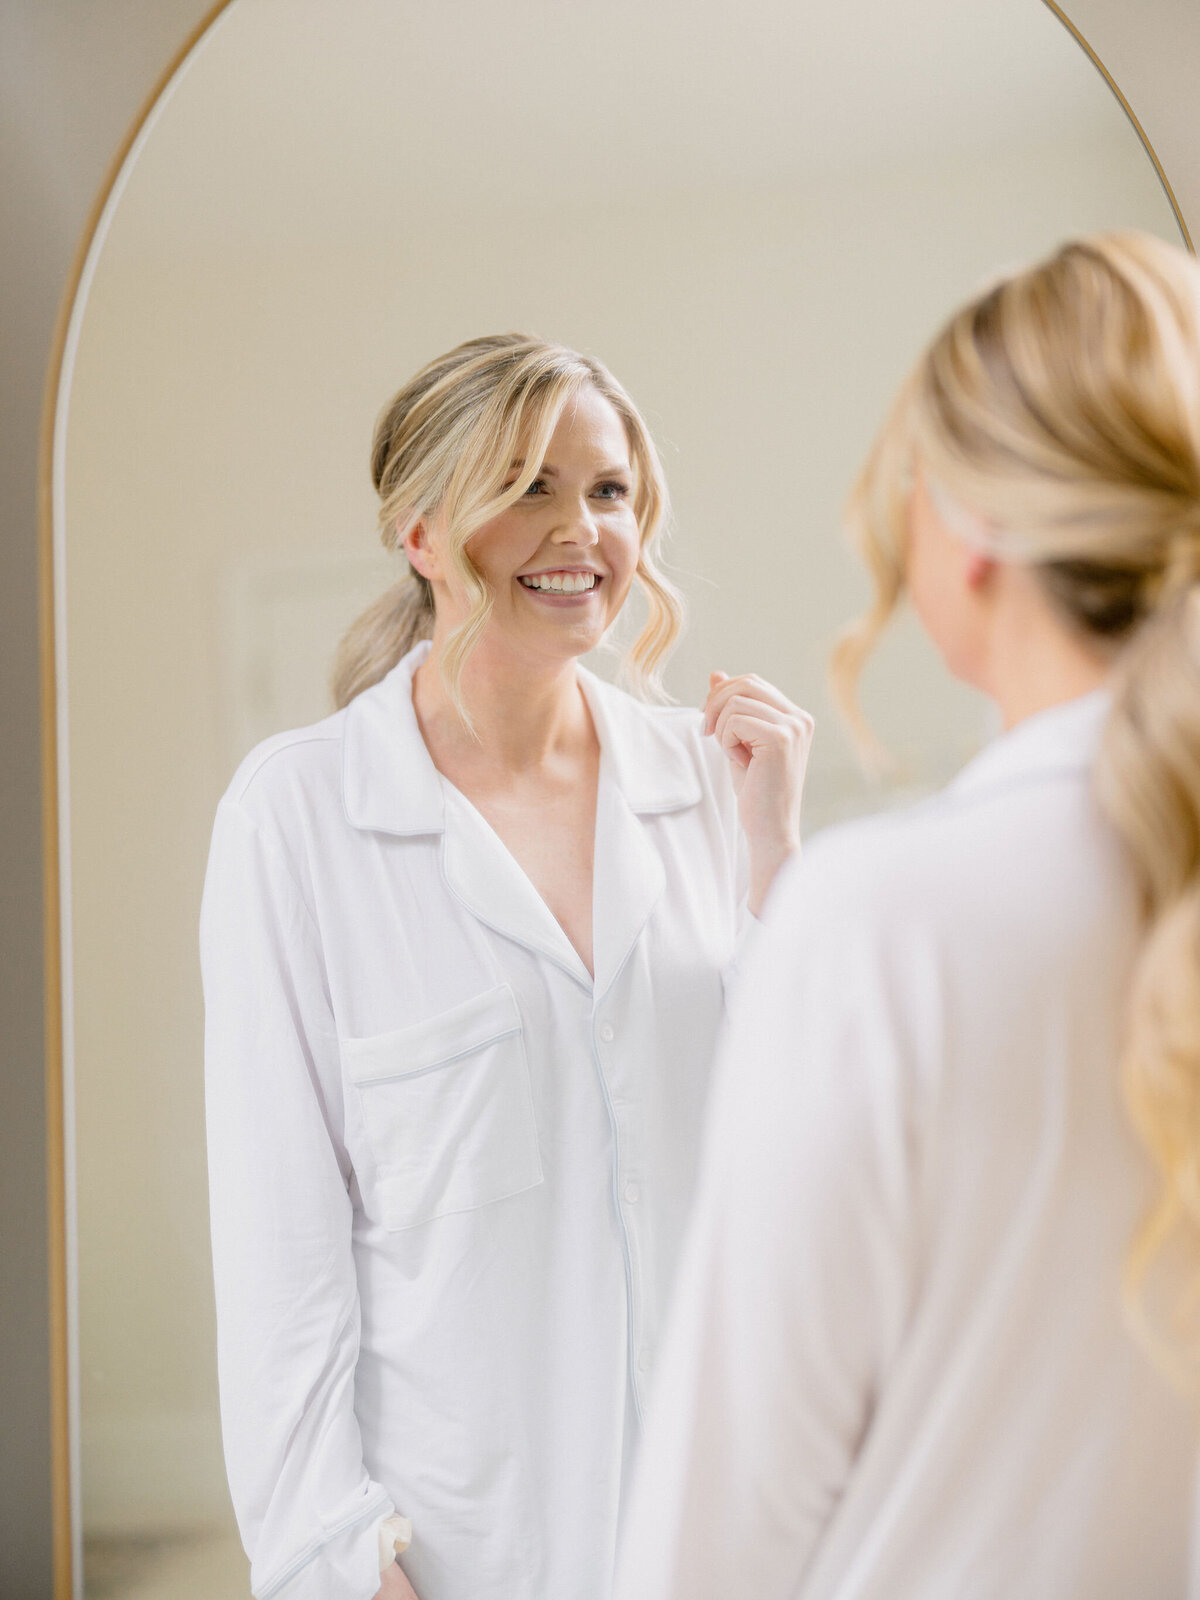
(449, 1171)
(897, 1365)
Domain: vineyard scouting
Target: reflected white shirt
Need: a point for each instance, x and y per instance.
(449, 1172)
(896, 1366)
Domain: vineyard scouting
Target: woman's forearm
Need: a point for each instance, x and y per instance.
(767, 740)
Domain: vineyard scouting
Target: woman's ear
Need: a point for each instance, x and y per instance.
(979, 568)
(422, 557)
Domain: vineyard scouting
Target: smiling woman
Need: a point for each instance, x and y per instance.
(425, 920)
(755, 225)
(512, 389)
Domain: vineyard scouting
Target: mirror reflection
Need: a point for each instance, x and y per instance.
(754, 228)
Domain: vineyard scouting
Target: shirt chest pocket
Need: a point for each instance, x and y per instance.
(447, 1110)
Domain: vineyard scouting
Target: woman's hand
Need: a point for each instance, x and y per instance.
(767, 740)
(393, 1585)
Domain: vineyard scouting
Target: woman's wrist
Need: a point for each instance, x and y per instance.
(764, 866)
(393, 1585)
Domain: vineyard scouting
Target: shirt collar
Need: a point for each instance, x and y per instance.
(1064, 738)
(390, 784)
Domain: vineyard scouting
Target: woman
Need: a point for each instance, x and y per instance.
(463, 952)
(898, 1365)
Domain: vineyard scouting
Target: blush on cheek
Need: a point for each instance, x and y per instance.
(622, 582)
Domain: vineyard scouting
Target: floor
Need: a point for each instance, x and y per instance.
(194, 1566)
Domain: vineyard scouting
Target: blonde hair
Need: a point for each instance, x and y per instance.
(445, 445)
(1063, 406)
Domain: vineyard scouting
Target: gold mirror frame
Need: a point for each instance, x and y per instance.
(65, 1488)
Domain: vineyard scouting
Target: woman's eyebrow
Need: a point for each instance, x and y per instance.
(547, 471)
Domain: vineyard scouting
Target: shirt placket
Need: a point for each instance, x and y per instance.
(629, 1192)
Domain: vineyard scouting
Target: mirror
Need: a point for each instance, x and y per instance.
(755, 223)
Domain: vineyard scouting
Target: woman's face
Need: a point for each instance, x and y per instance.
(560, 561)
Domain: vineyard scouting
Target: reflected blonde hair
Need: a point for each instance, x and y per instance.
(1063, 407)
(444, 446)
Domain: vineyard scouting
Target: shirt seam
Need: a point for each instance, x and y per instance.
(278, 848)
(287, 742)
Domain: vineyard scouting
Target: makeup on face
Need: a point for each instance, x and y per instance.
(570, 543)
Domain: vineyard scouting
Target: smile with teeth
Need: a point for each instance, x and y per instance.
(561, 582)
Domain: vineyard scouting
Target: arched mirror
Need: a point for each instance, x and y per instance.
(755, 220)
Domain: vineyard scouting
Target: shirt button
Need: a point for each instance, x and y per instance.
(643, 1362)
(608, 1033)
(632, 1192)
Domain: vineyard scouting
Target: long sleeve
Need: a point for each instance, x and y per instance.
(795, 1275)
(287, 1301)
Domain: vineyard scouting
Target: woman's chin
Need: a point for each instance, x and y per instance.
(561, 642)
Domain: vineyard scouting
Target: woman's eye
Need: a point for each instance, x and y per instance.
(537, 486)
(612, 490)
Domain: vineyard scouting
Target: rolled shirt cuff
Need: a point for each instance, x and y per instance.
(395, 1536)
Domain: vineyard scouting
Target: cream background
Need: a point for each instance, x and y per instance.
(216, 495)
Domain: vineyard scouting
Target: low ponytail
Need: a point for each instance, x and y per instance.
(1059, 415)
(384, 633)
(1148, 780)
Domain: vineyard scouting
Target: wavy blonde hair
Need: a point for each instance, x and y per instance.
(1063, 406)
(444, 445)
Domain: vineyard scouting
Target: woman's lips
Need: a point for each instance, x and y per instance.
(560, 580)
(561, 588)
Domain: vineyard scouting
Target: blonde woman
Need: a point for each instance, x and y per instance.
(902, 1361)
(464, 945)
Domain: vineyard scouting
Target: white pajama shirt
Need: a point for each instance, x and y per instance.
(449, 1172)
(897, 1367)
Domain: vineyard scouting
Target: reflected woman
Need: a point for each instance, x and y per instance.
(464, 946)
(898, 1364)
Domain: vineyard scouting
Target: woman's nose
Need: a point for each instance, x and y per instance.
(578, 527)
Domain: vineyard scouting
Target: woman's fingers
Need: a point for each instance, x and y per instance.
(742, 704)
(743, 733)
(750, 686)
(749, 736)
(767, 740)
(757, 723)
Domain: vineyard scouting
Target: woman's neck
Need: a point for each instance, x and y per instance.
(526, 715)
(1035, 661)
